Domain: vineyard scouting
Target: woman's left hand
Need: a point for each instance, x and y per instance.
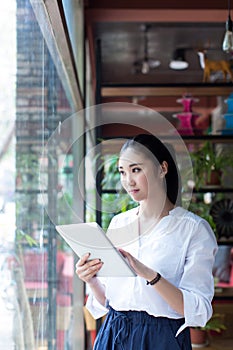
(140, 269)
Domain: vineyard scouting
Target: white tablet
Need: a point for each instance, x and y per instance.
(90, 238)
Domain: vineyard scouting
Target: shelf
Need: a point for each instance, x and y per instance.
(226, 242)
(204, 137)
(223, 293)
(213, 189)
(197, 138)
(30, 191)
(213, 138)
(113, 144)
(218, 344)
(201, 190)
(202, 89)
(111, 191)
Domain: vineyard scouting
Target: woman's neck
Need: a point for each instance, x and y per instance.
(154, 211)
(150, 215)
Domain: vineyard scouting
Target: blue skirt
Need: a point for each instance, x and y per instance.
(137, 330)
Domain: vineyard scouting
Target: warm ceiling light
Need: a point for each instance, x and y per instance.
(227, 45)
(178, 61)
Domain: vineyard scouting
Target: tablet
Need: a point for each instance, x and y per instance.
(90, 238)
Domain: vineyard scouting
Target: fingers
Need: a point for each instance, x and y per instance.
(124, 253)
(131, 260)
(83, 259)
(87, 269)
(140, 269)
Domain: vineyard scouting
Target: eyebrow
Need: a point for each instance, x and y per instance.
(131, 165)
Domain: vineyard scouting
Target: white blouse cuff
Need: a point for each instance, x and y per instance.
(96, 309)
(195, 315)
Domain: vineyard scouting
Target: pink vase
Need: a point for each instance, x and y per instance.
(187, 118)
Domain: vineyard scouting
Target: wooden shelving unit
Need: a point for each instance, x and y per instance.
(202, 89)
(218, 344)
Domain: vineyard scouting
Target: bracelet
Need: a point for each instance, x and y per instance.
(155, 280)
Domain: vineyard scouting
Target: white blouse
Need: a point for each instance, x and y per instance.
(181, 247)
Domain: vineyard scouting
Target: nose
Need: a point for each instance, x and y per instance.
(130, 181)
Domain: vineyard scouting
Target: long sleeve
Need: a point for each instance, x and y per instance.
(197, 284)
(94, 307)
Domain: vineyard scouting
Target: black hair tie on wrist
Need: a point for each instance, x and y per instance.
(155, 280)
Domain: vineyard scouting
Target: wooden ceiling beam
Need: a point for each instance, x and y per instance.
(156, 15)
(151, 4)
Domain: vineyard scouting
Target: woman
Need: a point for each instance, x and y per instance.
(172, 255)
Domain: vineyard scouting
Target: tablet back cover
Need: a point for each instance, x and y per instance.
(90, 238)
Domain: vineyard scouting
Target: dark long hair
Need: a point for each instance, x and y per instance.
(159, 152)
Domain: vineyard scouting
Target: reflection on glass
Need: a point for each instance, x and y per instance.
(36, 268)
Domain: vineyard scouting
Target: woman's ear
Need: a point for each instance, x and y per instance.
(164, 168)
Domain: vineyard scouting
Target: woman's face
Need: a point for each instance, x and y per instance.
(138, 174)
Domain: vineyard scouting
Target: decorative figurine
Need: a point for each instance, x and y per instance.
(210, 66)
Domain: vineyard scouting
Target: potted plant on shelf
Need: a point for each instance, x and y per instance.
(200, 335)
(203, 210)
(209, 164)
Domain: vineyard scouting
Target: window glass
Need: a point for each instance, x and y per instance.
(36, 266)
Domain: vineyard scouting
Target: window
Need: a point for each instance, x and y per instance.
(36, 266)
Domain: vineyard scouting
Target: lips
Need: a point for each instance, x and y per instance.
(133, 191)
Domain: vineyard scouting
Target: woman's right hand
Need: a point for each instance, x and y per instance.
(87, 269)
